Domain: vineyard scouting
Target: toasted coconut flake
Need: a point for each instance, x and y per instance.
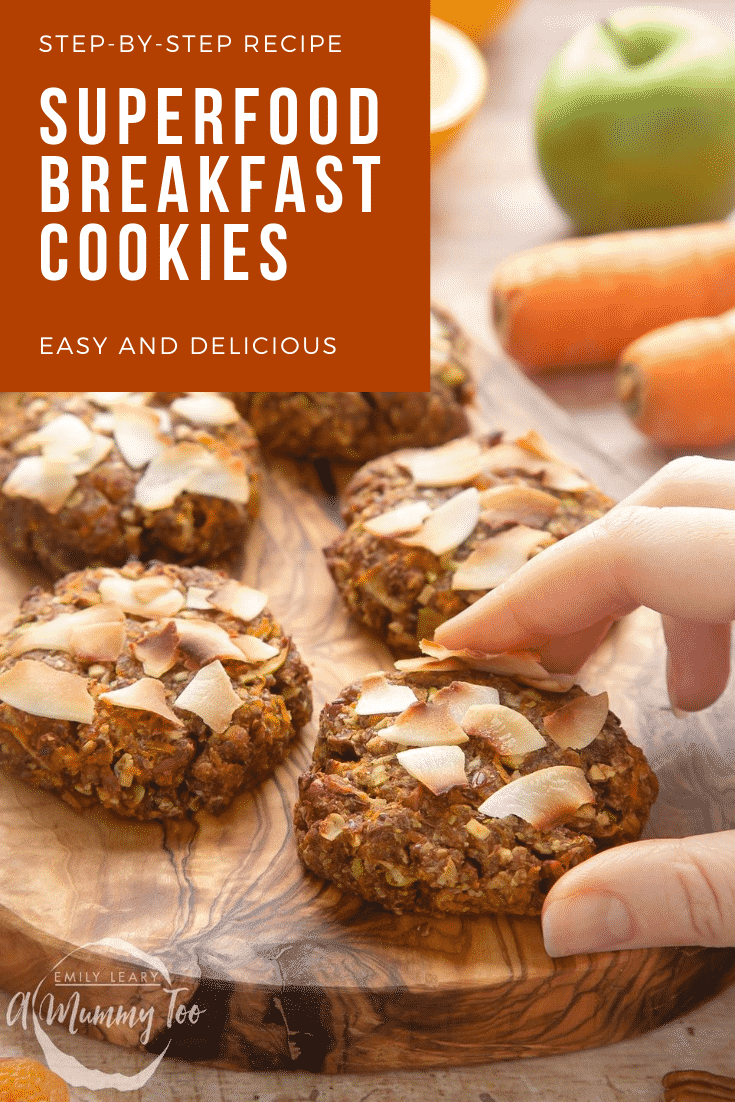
(552, 683)
(438, 768)
(157, 651)
(147, 695)
(557, 476)
(67, 439)
(97, 642)
(451, 464)
(509, 664)
(203, 641)
(147, 589)
(49, 635)
(268, 667)
(61, 438)
(56, 634)
(424, 724)
(137, 434)
(578, 723)
(104, 422)
(508, 731)
(164, 421)
(218, 476)
(449, 525)
(544, 798)
(86, 460)
(530, 456)
(40, 690)
(104, 613)
(167, 476)
(416, 665)
(47, 481)
(107, 399)
(126, 593)
(512, 457)
(441, 345)
(379, 697)
(239, 600)
(460, 696)
(498, 557)
(396, 522)
(206, 409)
(164, 479)
(75, 404)
(198, 597)
(255, 649)
(522, 665)
(534, 443)
(518, 503)
(210, 696)
(191, 468)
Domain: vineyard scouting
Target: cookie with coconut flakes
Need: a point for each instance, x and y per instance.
(358, 425)
(94, 478)
(153, 691)
(431, 530)
(448, 789)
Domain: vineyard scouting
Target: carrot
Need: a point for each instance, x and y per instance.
(678, 383)
(580, 302)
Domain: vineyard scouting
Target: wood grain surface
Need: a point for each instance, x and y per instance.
(698, 1086)
(286, 971)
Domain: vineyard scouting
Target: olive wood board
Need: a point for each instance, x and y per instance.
(288, 973)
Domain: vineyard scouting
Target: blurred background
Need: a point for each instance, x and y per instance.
(490, 201)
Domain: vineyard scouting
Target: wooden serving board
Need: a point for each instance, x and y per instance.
(285, 972)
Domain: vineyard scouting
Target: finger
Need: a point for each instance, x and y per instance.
(690, 480)
(667, 892)
(607, 569)
(698, 665)
(566, 653)
(535, 604)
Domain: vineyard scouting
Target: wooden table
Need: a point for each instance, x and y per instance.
(488, 202)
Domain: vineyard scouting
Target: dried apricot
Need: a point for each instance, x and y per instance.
(25, 1080)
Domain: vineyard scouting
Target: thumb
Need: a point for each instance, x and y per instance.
(662, 892)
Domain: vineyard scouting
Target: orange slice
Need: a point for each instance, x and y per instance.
(25, 1080)
(458, 82)
(477, 18)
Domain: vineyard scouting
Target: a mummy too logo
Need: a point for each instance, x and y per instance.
(132, 999)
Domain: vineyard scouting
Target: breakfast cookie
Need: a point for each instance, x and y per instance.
(462, 791)
(153, 690)
(356, 426)
(104, 477)
(431, 530)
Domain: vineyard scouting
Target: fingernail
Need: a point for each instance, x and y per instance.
(589, 923)
(676, 711)
(486, 625)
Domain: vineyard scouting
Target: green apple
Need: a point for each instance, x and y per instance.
(635, 121)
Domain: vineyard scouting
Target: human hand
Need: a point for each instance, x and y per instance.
(669, 546)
